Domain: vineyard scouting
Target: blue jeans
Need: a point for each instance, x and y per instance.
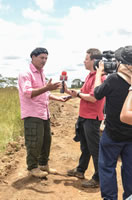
(109, 152)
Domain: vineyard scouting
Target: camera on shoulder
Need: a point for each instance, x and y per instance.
(110, 63)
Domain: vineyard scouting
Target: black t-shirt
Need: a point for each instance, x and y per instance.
(115, 89)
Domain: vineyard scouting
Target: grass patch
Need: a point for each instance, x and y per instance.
(11, 125)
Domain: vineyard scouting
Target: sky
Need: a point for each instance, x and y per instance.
(66, 28)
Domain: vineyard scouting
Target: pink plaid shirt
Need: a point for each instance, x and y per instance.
(36, 106)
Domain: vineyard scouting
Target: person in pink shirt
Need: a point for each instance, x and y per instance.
(126, 112)
(88, 123)
(34, 94)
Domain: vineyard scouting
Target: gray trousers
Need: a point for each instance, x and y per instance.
(37, 141)
(89, 143)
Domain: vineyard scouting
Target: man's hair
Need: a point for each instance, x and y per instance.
(38, 51)
(93, 51)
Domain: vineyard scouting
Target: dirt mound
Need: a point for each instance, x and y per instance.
(55, 112)
(9, 160)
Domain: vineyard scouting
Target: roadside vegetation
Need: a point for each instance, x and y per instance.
(11, 125)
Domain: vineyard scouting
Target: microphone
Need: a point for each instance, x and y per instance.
(63, 78)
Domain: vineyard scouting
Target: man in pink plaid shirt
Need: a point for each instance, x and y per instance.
(34, 99)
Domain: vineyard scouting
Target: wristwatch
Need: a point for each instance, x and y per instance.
(78, 94)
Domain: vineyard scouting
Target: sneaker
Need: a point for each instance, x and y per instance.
(38, 173)
(47, 169)
(74, 172)
(90, 184)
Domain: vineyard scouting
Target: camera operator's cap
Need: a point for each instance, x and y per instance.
(124, 54)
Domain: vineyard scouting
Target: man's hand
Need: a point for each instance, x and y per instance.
(64, 98)
(66, 90)
(99, 73)
(100, 69)
(74, 93)
(61, 98)
(52, 86)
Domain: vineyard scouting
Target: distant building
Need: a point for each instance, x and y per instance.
(77, 83)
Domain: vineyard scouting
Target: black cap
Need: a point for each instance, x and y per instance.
(124, 54)
(38, 51)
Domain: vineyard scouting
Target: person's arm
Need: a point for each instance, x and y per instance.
(58, 98)
(99, 73)
(25, 85)
(48, 87)
(126, 112)
(66, 90)
(86, 97)
(101, 86)
(74, 93)
(98, 81)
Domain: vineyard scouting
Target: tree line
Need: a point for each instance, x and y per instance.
(8, 81)
(12, 82)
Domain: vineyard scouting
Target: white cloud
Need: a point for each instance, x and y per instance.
(34, 15)
(45, 5)
(38, 15)
(99, 27)
(18, 39)
(106, 27)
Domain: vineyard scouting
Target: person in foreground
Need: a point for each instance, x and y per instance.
(34, 99)
(90, 116)
(126, 112)
(116, 139)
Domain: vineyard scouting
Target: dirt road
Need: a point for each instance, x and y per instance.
(15, 184)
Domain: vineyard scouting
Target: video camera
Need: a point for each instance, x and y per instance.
(110, 63)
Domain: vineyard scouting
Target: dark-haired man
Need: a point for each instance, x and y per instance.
(90, 116)
(117, 137)
(34, 99)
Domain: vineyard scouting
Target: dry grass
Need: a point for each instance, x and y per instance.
(11, 126)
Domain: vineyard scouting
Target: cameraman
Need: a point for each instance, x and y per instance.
(117, 137)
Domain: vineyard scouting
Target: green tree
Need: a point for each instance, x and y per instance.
(8, 81)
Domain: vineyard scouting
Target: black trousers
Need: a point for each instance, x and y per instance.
(89, 144)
